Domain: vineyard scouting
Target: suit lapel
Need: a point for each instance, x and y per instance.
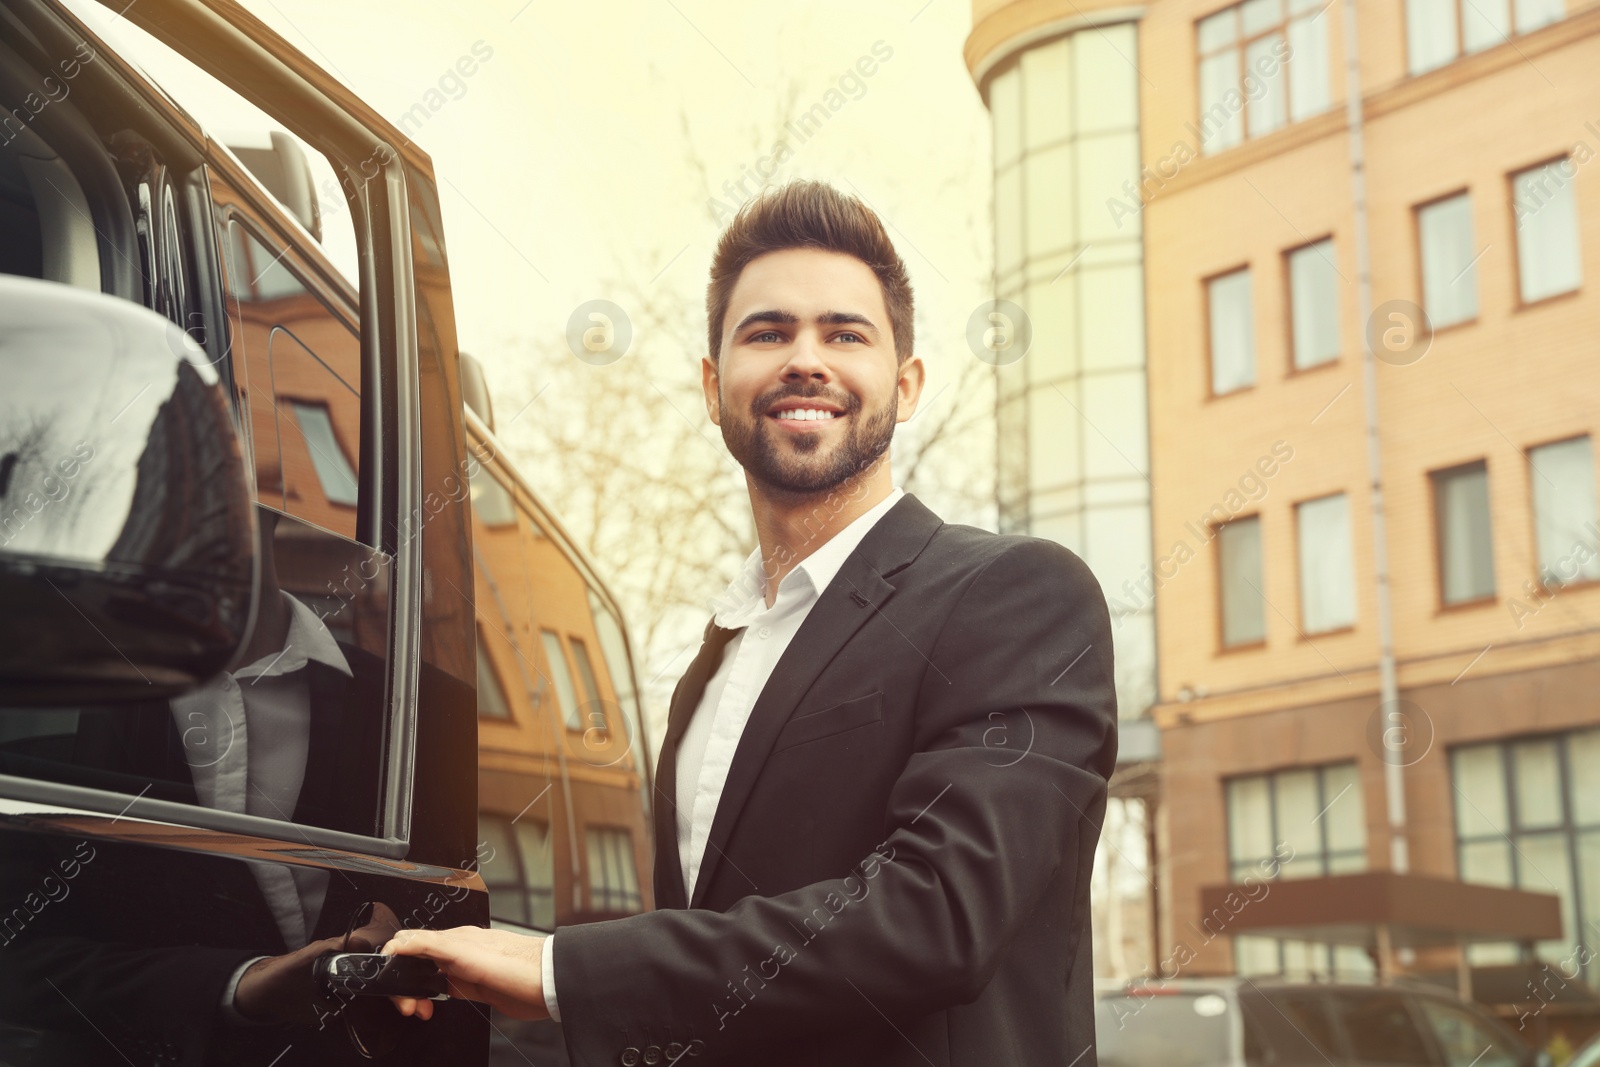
(857, 592)
(685, 698)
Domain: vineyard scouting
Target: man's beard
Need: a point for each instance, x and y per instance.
(752, 444)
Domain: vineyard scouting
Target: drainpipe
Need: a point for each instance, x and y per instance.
(1388, 690)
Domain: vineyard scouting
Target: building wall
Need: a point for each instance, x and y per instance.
(1513, 378)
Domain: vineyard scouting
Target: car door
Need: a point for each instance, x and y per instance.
(159, 856)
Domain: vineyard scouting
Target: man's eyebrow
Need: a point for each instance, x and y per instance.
(827, 318)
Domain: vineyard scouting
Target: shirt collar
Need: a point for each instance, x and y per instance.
(309, 639)
(745, 595)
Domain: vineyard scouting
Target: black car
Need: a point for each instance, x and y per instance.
(247, 631)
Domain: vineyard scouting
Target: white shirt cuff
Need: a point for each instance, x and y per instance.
(230, 1012)
(547, 967)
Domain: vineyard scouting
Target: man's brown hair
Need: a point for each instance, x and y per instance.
(808, 214)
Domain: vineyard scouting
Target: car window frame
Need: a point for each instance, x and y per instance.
(387, 305)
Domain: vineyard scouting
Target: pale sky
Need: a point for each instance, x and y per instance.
(563, 160)
(563, 163)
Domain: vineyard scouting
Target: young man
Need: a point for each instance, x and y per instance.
(884, 774)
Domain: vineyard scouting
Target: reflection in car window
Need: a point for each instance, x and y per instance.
(613, 880)
(1466, 1040)
(294, 732)
(337, 477)
(519, 873)
(1287, 1028)
(300, 368)
(593, 713)
(491, 694)
(491, 501)
(566, 695)
(234, 121)
(1380, 1028)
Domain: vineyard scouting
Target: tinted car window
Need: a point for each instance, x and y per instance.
(1379, 1027)
(559, 774)
(1467, 1039)
(1287, 1028)
(298, 364)
(295, 731)
(1174, 1030)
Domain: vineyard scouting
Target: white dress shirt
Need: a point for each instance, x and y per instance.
(706, 749)
(246, 736)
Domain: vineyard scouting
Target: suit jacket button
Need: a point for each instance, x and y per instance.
(630, 1057)
(674, 1051)
(696, 1047)
(652, 1054)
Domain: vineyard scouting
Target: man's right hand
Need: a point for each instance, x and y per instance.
(494, 967)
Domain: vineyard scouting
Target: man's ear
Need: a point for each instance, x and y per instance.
(709, 384)
(913, 375)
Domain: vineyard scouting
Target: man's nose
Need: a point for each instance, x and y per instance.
(805, 360)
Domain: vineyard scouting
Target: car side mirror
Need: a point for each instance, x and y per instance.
(127, 532)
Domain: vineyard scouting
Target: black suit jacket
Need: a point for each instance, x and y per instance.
(898, 869)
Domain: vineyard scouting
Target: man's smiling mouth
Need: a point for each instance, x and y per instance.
(796, 412)
(805, 415)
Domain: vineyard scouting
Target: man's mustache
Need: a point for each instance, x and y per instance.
(812, 391)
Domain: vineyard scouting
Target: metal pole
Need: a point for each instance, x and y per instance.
(1388, 689)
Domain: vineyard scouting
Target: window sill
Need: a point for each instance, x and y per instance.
(1546, 301)
(1566, 587)
(1305, 636)
(1211, 396)
(1298, 372)
(1436, 329)
(1467, 605)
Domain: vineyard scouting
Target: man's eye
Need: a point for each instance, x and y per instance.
(766, 333)
(850, 335)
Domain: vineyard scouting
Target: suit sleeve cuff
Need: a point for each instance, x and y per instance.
(229, 1012)
(547, 966)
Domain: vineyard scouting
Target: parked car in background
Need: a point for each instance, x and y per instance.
(291, 656)
(1243, 1022)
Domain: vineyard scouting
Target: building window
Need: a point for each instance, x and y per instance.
(1461, 517)
(1244, 619)
(591, 688)
(1305, 823)
(1327, 571)
(1449, 261)
(561, 680)
(1527, 815)
(613, 878)
(1262, 63)
(1440, 31)
(518, 870)
(491, 501)
(1233, 345)
(1314, 304)
(491, 694)
(1565, 519)
(1548, 260)
(334, 473)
